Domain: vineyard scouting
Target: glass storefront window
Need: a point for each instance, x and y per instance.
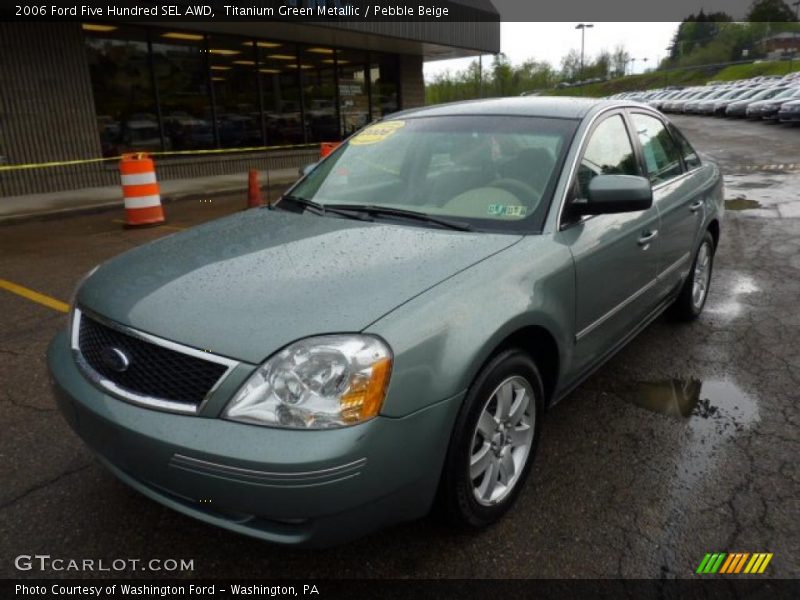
(383, 77)
(353, 91)
(233, 77)
(279, 82)
(123, 89)
(159, 89)
(179, 62)
(318, 82)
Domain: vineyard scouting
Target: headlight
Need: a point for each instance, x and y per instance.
(317, 383)
(74, 297)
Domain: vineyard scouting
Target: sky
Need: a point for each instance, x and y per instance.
(551, 41)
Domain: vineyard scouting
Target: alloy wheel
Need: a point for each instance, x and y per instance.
(502, 441)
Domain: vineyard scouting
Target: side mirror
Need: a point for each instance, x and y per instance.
(615, 194)
(306, 169)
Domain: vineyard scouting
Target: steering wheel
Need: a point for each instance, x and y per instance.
(524, 192)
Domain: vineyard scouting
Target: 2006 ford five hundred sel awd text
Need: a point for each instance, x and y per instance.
(387, 336)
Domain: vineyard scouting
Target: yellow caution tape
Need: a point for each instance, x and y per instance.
(64, 163)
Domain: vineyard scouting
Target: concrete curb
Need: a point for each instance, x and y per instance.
(92, 200)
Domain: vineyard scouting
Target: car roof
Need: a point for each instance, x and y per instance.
(528, 106)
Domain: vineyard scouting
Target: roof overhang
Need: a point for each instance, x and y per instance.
(433, 40)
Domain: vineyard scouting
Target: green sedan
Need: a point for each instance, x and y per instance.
(386, 337)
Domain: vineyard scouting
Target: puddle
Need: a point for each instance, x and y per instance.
(712, 407)
(730, 299)
(742, 204)
(757, 185)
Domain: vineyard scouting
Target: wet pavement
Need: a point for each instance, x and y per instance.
(685, 443)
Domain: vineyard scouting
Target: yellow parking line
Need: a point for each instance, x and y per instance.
(34, 296)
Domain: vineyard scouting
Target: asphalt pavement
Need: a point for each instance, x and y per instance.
(683, 444)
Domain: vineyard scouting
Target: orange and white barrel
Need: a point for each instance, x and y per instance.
(325, 148)
(140, 190)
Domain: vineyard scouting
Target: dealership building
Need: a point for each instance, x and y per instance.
(74, 91)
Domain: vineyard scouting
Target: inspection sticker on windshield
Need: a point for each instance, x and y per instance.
(503, 210)
(374, 134)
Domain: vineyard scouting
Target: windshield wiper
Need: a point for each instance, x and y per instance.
(304, 202)
(374, 210)
(321, 209)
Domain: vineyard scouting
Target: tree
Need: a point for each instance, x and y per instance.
(619, 61)
(697, 31)
(571, 65)
(770, 11)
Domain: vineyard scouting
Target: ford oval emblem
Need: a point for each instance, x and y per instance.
(115, 359)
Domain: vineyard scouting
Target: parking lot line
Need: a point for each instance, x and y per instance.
(34, 296)
(161, 226)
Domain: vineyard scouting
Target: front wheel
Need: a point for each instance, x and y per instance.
(494, 440)
(692, 297)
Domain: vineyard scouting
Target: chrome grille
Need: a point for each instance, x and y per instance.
(174, 378)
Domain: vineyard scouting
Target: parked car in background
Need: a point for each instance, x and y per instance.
(790, 112)
(739, 109)
(698, 106)
(389, 334)
(741, 94)
(768, 108)
(717, 106)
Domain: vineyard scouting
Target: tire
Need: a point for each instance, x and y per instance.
(501, 448)
(691, 300)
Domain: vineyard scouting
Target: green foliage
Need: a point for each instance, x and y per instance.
(766, 11)
(680, 77)
(500, 78)
(701, 45)
(728, 42)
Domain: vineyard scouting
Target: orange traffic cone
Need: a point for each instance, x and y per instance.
(325, 148)
(253, 190)
(140, 190)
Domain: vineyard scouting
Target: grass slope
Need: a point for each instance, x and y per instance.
(682, 77)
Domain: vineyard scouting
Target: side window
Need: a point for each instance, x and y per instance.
(661, 154)
(609, 152)
(690, 157)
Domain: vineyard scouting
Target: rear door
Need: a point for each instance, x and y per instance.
(676, 195)
(615, 255)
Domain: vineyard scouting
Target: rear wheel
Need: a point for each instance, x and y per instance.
(494, 440)
(693, 294)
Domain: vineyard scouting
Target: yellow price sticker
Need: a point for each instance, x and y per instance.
(375, 134)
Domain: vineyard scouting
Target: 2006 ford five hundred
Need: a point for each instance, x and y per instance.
(386, 337)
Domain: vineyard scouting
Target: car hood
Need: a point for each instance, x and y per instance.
(246, 285)
(791, 103)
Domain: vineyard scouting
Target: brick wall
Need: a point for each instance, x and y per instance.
(412, 83)
(46, 107)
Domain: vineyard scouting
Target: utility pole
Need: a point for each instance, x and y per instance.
(583, 27)
(794, 48)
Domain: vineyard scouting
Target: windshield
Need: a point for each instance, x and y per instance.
(787, 93)
(492, 172)
(771, 93)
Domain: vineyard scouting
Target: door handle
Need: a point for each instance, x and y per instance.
(648, 237)
(696, 206)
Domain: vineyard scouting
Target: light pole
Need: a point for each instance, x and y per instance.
(583, 27)
(796, 18)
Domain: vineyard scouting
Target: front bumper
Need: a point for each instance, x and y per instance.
(311, 488)
(789, 116)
